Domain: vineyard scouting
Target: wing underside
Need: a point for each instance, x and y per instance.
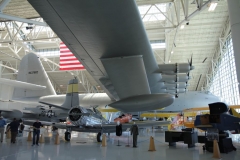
(95, 34)
(111, 43)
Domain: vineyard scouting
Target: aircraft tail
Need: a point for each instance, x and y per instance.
(32, 71)
(72, 98)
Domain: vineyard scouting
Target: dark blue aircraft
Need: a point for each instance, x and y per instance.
(219, 118)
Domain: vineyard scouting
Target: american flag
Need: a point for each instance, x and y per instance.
(68, 61)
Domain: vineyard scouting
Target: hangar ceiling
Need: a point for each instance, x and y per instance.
(177, 29)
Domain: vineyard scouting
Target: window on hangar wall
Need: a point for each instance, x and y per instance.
(225, 83)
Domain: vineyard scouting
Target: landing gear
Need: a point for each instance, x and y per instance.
(67, 136)
(99, 137)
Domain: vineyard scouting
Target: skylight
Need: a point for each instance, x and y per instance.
(152, 12)
(158, 44)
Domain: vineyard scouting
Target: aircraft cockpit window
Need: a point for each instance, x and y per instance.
(96, 111)
(89, 110)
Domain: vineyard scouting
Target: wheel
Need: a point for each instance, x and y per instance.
(99, 137)
(67, 136)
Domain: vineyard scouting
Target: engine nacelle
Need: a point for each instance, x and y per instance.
(80, 116)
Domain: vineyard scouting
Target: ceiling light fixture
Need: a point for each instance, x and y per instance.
(158, 45)
(172, 52)
(182, 26)
(212, 6)
(169, 61)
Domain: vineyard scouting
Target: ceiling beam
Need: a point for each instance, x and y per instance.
(3, 4)
(15, 70)
(13, 18)
(151, 2)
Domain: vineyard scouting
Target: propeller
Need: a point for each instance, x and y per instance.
(176, 71)
(176, 93)
(181, 113)
(191, 68)
(80, 114)
(190, 63)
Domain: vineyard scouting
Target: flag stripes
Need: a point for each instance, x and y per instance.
(67, 60)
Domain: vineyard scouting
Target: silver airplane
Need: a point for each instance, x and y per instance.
(86, 119)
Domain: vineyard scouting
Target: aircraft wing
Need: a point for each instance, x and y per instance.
(167, 114)
(27, 101)
(23, 85)
(207, 108)
(106, 128)
(109, 39)
(125, 126)
(196, 109)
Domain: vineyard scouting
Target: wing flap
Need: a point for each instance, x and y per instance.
(128, 75)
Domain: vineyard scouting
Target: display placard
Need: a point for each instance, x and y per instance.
(212, 134)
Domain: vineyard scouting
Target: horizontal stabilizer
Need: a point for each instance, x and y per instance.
(5, 110)
(53, 105)
(23, 85)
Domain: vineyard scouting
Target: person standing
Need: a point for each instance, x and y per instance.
(134, 132)
(21, 128)
(2, 126)
(13, 126)
(36, 132)
(118, 131)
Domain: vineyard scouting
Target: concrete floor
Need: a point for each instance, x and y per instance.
(83, 146)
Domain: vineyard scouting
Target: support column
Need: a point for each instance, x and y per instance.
(234, 12)
(0, 69)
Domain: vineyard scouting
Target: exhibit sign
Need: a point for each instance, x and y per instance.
(212, 134)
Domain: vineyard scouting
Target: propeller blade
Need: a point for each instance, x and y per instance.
(79, 114)
(191, 61)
